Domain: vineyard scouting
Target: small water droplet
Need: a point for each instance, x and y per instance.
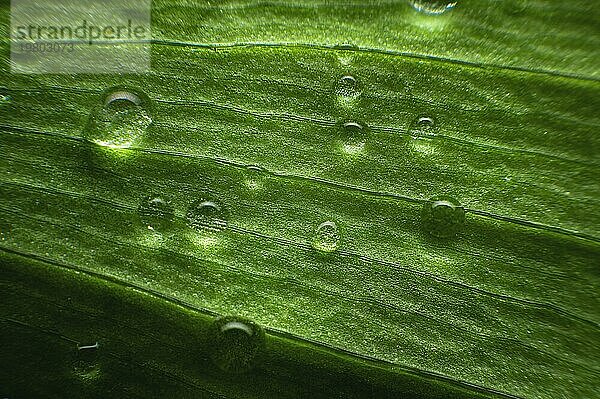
(254, 177)
(326, 237)
(156, 213)
(348, 87)
(236, 343)
(423, 125)
(206, 215)
(353, 137)
(443, 216)
(5, 98)
(121, 121)
(346, 46)
(433, 6)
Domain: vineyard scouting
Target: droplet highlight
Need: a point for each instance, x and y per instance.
(121, 121)
(156, 213)
(206, 215)
(433, 7)
(443, 216)
(326, 237)
(236, 343)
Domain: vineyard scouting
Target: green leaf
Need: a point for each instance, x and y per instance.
(391, 203)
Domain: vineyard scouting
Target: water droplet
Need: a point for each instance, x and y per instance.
(443, 216)
(423, 125)
(346, 46)
(86, 367)
(353, 137)
(121, 121)
(326, 237)
(5, 98)
(156, 212)
(254, 177)
(433, 6)
(206, 215)
(348, 87)
(236, 343)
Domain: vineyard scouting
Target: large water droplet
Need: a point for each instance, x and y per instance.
(433, 6)
(348, 88)
(236, 343)
(156, 212)
(206, 215)
(86, 367)
(121, 121)
(443, 216)
(326, 237)
(353, 137)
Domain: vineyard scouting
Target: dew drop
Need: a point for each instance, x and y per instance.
(348, 88)
(433, 6)
(443, 216)
(206, 215)
(423, 125)
(86, 367)
(254, 178)
(346, 46)
(353, 137)
(236, 343)
(121, 121)
(326, 237)
(156, 213)
(5, 99)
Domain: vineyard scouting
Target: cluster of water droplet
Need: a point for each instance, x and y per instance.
(352, 133)
(157, 213)
(123, 118)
